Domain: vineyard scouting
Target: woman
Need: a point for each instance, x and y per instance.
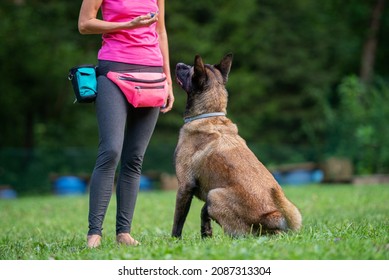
(134, 39)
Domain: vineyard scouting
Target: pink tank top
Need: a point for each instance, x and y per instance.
(135, 46)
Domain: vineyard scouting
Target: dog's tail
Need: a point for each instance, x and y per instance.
(290, 212)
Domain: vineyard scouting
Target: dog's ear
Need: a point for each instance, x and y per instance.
(225, 66)
(199, 74)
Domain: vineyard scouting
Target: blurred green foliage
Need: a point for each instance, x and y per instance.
(359, 128)
(293, 89)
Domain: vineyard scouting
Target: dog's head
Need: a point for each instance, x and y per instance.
(204, 85)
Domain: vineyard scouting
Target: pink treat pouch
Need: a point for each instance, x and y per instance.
(142, 89)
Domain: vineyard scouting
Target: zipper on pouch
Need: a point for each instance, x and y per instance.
(146, 87)
(141, 81)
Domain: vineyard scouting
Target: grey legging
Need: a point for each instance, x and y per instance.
(124, 134)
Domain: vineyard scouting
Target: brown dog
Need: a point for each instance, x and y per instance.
(214, 163)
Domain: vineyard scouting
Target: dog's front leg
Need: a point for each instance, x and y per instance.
(206, 229)
(183, 202)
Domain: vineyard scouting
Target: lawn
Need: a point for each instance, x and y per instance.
(340, 222)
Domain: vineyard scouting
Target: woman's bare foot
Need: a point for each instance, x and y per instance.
(93, 240)
(126, 239)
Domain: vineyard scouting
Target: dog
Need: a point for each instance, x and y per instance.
(214, 164)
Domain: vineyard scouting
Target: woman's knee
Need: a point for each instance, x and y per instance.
(109, 158)
(133, 164)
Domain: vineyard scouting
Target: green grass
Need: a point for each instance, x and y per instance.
(340, 222)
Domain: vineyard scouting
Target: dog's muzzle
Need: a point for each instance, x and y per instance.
(182, 74)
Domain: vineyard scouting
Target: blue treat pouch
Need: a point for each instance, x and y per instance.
(84, 83)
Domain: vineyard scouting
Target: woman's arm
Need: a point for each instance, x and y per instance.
(88, 23)
(164, 46)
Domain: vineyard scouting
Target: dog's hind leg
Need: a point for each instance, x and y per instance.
(225, 211)
(206, 229)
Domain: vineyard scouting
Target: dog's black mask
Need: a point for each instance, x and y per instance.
(183, 76)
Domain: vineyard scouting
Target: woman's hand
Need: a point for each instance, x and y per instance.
(144, 20)
(169, 101)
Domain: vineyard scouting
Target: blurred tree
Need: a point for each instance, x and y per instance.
(42, 43)
(370, 45)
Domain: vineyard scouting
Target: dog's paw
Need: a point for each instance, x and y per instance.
(176, 235)
(206, 233)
